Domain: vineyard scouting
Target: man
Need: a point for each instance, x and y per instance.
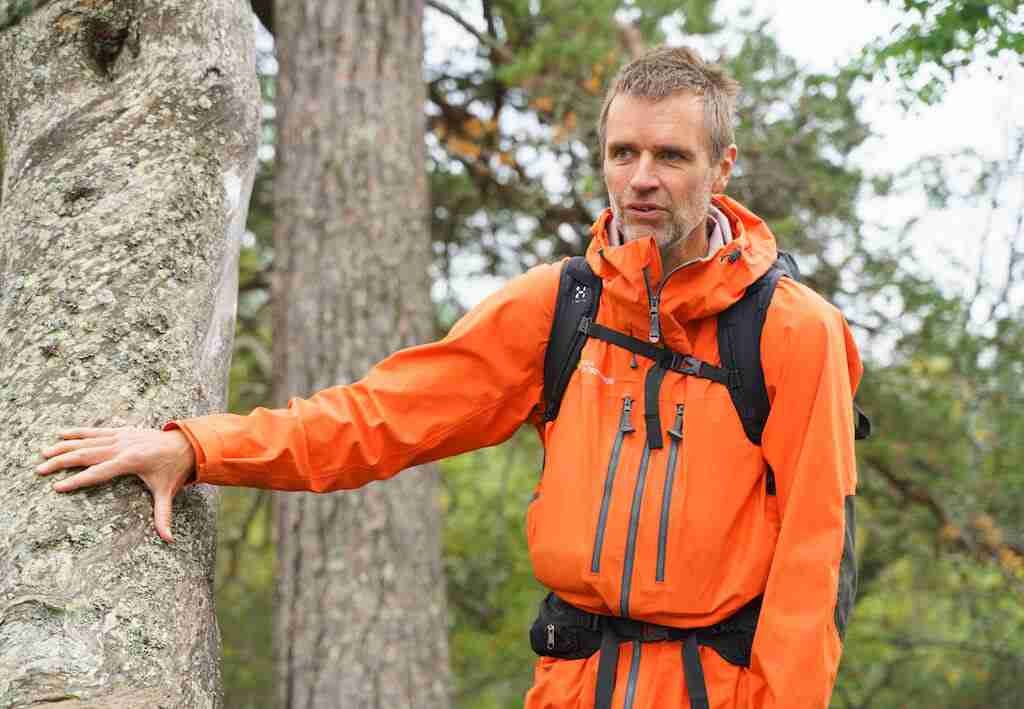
(707, 531)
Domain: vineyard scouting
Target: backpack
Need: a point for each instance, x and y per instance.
(739, 346)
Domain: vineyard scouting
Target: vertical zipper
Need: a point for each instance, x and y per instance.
(634, 523)
(634, 673)
(653, 300)
(625, 426)
(676, 434)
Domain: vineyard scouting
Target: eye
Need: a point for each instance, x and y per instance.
(672, 156)
(621, 153)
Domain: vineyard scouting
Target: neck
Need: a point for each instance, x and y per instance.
(694, 246)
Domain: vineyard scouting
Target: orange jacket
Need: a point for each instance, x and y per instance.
(686, 555)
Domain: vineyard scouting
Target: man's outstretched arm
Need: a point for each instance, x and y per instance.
(472, 389)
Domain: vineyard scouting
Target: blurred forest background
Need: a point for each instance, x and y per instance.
(935, 300)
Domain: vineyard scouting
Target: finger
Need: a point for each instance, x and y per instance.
(89, 432)
(162, 504)
(95, 475)
(71, 445)
(77, 459)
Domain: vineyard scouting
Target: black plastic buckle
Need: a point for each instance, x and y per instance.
(584, 325)
(685, 364)
(653, 633)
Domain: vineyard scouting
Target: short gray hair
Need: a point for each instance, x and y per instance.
(667, 71)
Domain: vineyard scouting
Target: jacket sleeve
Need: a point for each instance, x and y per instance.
(470, 390)
(812, 368)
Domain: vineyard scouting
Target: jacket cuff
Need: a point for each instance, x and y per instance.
(205, 444)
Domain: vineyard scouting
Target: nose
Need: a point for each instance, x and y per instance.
(643, 178)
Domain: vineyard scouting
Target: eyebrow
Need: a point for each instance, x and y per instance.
(670, 148)
(662, 148)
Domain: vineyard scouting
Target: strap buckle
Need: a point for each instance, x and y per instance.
(685, 364)
(584, 326)
(650, 633)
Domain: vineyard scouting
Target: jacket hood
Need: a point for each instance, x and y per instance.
(696, 290)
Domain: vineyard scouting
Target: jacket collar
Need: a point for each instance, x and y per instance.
(698, 290)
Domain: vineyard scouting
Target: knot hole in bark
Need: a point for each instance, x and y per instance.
(78, 199)
(104, 43)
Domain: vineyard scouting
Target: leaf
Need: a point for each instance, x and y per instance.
(463, 148)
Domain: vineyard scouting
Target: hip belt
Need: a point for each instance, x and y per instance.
(564, 631)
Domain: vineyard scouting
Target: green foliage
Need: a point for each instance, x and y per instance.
(244, 591)
(945, 37)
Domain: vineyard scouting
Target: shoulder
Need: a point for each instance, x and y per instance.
(801, 329)
(795, 309)
(526, 301)
(539, 282)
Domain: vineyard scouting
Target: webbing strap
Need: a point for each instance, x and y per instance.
(652, 409)
(665, 359)
(694, 673)
(608, 663)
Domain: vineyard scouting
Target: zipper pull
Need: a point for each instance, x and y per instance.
(632, 355)
(653, 299)
(677, 428)
(551, 637)
(655, 320)
(625, 425)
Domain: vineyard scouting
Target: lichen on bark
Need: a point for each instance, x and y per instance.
(129, 148)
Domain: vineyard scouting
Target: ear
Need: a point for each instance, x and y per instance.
(723, 170)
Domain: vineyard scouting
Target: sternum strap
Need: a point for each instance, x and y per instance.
(664, 360)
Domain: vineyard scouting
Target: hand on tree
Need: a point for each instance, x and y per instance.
(164, 460)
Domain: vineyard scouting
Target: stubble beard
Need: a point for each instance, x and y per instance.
(672, 239)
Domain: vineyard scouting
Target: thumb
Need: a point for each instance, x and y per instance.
(162, 502)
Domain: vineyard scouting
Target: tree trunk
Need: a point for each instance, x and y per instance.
(128, 131)
(361, 618)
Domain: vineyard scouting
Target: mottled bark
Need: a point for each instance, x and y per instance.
(361, 619)
(129, 134)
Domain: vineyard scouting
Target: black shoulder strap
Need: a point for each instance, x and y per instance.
(579, 295)
(739, 346)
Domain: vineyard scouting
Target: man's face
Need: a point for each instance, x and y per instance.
(659, 173)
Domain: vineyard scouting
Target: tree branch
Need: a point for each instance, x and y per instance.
(912, 492)
(500, 51)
